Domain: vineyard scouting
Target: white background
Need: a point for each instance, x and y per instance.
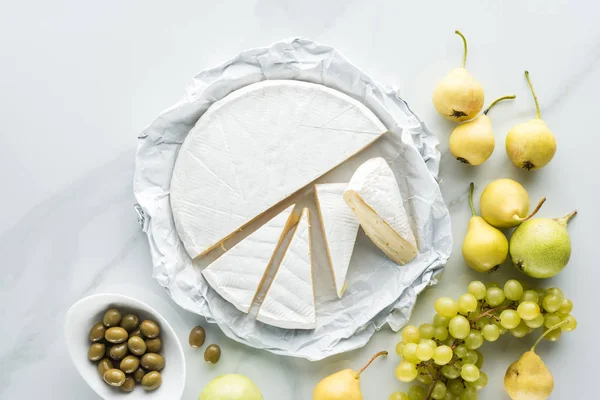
(79, 80)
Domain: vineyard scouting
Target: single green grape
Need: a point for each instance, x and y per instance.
(554, 335)
(536, 322)
(469, 372)
(495, 296)
(470, 357)
(556, 292)
(513, 290)
(510, 319)
(424, 377)
(442, 355)
(406, 371)
(455, 386)
(551, 319)
(450, 371)
(400, 349)
(410, 334)
(491, 332)
(424, 351)
(477, 289)
(459, 327)
(479, 362)
(480, 383)
(429, 342)
(439, 391)
(566, 306)
(446, 307)
(467, 303)
(520, 330)
(528, 310)
(551, 303)
(410, 353)
(417, 393)
(438, 320)
(426, 331)
(481, 323)
(441, 333)
(530, 295)
(460, 350)
(474, 340)
(570, 325)
(468, 394)
(398, 396)
(450, 396)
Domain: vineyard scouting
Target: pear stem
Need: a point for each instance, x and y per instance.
(471, 189)
(512, 96)
(381, 353)
(535, 211)
(537, 105)
(555, 327)
(464, 59)
(565, 220)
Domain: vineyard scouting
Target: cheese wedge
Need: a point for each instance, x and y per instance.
(290, 300)
(374, 197)
(256, 147)
(340, 228)
(239, 273)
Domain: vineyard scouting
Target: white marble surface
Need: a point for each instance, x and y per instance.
(79, 80)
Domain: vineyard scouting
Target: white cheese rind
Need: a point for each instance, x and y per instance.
(238, 274)
(340, 228)
(256, 147)
(290, 300)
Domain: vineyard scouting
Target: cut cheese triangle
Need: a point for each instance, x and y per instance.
(238, 274)
(256, 147)
(340, 228)
(374, 197)
(290, 301)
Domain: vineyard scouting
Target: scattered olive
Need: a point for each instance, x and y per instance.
(119, 351)
(137, 332)
(153, 362)
(197, 336)
(96, 351)
(139, 374)
(151, 380)
(111, 318)
(130, 322)
(116, 335)
(114, 377)
(97, 332)
(153, 345)
(136, 345)
(129, 364)
(212, 354)
(128, 385)
(104, 365)
(150, 329)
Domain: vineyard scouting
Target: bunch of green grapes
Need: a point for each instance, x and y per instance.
(444, 356)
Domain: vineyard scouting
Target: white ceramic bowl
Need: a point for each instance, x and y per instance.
(89, 310)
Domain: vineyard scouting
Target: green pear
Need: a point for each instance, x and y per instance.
(484, 247)
(231, 387)
(541, 247)
(343, 385)
(473, 142)
(504, 203)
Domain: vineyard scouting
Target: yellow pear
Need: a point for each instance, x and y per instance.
(343, 385)
(473, 142)
(484, 247)
(504, 203)
(529, 378)
(531, 145)
(458, 96)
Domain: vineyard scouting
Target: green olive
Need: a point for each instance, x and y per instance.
(97, 332)
(114, 377)
(151, 380)
(197, 337)
(128, 385)
(129, 364)
(130, 322)
(153, 345)
(96, 351)
(153, 362)
(116, 334)
(139, 374)
(150, 329)
(111, 318)
(104, 365)
(136, 332)
(119, 351)
(212, 354)
(136, 345)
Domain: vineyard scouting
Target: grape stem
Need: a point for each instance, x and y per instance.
(490, 311)
(428, 396)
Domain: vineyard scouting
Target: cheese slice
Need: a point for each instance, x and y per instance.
(340, 228)
(374, 197)
(290, 300)
(238, 274)
(256, 147)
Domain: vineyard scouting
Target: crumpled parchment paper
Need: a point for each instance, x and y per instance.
(379, 291)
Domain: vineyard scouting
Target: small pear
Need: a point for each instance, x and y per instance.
(458, 96)
(484, 247)
(504, 203)
(343, 385)
(529, 378)
(473, 142)
(541, 247)
(531, 145)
